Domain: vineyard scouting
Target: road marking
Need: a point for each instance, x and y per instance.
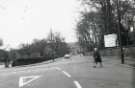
(67, 74)
(58, 68)
(77, 84)
(26, 79)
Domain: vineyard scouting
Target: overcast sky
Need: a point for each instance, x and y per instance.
(21, 21)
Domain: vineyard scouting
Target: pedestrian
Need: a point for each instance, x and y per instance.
(97, 58)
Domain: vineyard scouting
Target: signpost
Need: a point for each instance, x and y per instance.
(110, 40)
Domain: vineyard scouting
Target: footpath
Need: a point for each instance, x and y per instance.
(114, 74)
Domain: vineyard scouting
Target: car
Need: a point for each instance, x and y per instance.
(67, 56)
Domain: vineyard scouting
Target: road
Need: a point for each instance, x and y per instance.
(76, 72)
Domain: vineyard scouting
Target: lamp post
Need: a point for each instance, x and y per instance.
(119, 34)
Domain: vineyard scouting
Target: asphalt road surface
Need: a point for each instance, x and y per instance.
(76, 72)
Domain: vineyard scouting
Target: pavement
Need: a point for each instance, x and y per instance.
(76, 72)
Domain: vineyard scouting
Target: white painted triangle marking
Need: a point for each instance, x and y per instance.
(26, 79)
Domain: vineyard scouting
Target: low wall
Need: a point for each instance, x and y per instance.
(110, 52)
(130, 51)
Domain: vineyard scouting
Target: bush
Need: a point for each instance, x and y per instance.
(27, 61)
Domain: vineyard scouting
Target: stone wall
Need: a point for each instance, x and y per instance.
(129, 52)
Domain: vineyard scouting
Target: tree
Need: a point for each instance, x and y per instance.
(97, 23)
(38, 46)
(57, 45)
(93, 25)
(24, 50)
(49, 53)
(1, 42)
(52, 47)
(4, 55)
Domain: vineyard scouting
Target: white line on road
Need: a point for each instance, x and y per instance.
(58, 68)
(77, 84)
(67, 74)
(26, 80)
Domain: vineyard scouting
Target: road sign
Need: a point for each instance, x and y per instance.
(110, 40)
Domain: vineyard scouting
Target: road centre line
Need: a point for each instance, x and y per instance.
(64, 72)
(58, 68)
(67, 74)
(77, 84)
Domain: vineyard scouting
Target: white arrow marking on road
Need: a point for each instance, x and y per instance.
(27, 79)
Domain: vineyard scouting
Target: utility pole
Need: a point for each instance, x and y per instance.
(119, 34)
